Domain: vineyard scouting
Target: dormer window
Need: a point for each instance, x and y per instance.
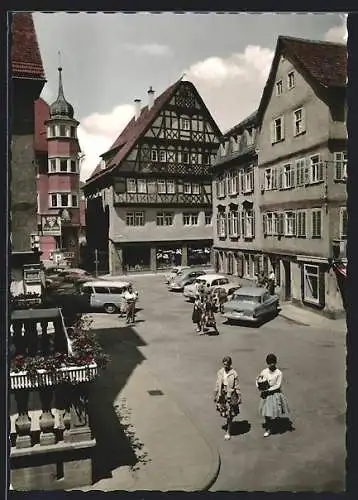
(291, 80)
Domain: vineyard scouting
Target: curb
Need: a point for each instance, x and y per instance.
(212, 475)
(297, 321)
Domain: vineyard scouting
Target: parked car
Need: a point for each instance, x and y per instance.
(228, 290)
(174, 272)
(105, 295)
(208, 281)
(184, 278)
(252, 304)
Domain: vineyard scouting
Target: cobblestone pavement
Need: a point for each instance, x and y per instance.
(310, 458)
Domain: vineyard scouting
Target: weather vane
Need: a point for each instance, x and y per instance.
(59, 59)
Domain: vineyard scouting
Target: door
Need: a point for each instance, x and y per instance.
(287, 273)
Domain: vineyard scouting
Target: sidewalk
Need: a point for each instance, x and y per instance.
(306, 317)
(174, 455)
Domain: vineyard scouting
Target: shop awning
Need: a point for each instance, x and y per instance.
(341, 269)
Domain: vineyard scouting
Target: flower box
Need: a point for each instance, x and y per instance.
(44, 378)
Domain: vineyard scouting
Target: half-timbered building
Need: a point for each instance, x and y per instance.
(152, 190)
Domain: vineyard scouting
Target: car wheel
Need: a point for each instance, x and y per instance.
(110, 308)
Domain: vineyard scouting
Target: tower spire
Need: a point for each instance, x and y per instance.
(61, 107)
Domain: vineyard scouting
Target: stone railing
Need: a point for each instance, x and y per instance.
(43, 378)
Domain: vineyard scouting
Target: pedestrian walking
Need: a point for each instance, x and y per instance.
(209, 316)
(222, 296)
(271, 282)
(197, 315)
(273, 403)
(227, 394)
(131, 297)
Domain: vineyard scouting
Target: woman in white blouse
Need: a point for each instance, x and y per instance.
(273, 403)
(227, 393)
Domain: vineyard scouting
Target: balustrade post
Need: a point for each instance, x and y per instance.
(47, 419)
(31, 338)
(19, 339)
(63, 404)
(79, 430)
(45, 338)
(23, 421)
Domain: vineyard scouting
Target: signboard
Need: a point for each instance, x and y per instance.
(51, 225)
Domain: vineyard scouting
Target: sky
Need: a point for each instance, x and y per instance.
(109, 60)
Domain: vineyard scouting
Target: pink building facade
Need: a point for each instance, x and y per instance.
(58, 156)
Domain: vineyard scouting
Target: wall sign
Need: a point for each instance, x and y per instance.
(51, 225)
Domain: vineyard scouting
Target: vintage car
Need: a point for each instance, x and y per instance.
(208, 282)
(252, 304)
(184, 278)
(174, 273)
(227, 289)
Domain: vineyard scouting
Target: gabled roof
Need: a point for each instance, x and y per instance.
(247, 122)
(26, 59)
(136, 128)
(41, 115)
(323, 63)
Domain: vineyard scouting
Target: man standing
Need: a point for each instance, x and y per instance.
(271, 282)
(130, 296)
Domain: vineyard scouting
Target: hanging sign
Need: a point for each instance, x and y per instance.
(51, 225)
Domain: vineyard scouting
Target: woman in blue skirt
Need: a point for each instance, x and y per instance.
(273, 403)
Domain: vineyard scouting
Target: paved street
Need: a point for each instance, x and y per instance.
(313, 363)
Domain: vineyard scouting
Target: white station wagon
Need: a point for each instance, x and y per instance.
(208, 281)
(107, 295)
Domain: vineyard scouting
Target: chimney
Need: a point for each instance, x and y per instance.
(150, 97)
(137, 108)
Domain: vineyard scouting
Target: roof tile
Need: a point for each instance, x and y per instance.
(325, 61)
(26, 59)
(133, 131)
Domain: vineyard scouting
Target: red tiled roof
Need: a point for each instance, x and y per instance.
(26, 59)
(325, 61)
(133, 131)
(42, 114)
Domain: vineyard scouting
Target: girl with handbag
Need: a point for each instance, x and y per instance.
(227, 394)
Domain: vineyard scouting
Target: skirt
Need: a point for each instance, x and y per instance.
(226, 409)
(274, 406)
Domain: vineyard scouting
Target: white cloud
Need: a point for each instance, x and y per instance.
(232, 87)
(152, 49)
(338, 33)
(97, 132)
